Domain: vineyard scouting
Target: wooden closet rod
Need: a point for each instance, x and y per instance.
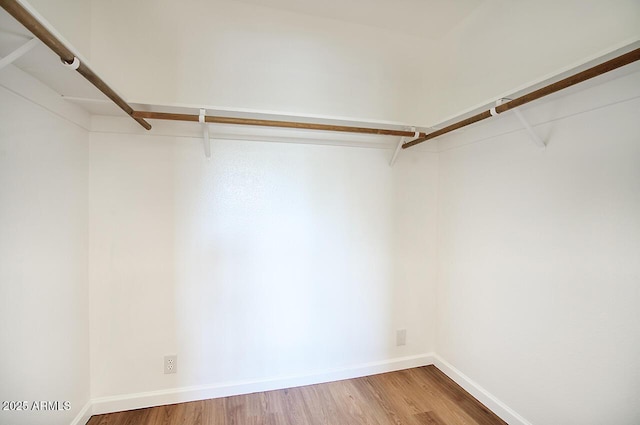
(15, 9)
(587, 74)
(23, 16)
(272, 123)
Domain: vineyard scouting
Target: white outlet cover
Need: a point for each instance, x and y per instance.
(401, 337)
(170, 364)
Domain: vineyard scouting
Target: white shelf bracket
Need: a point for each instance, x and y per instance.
(399, 146)
(18, 52)
(205, 132)
(396, 152)
(532, 134)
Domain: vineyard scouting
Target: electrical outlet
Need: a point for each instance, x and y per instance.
(401, 337)
(170, 364)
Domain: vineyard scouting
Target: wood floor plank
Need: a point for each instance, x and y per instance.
(354, 404)
(379, 404)
(429, 418)
(420, 396)
(305, 414)
(462, 399)
(320, 405)
(401, 395)
(213, 412)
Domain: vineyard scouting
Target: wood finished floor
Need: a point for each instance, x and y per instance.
(420, 396)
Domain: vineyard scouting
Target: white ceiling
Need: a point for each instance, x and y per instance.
(429, 19)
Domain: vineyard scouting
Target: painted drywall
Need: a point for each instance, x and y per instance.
(505, 46)
(188, 256)
(233, 54)
(244, 56)
(70, 18)
(267, 261)
(44, 291)
(539, 279)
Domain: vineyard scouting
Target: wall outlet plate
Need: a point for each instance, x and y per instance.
(401, 337)
(170, 364)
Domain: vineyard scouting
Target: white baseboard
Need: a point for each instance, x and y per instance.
(180, 395)
(83, 415)
(485, 397)
(119, 403)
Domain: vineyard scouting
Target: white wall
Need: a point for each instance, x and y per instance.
(274, 260)
(269, 260)
(44, 292)
(505, 46)
(232, 54)
(539, 278)
(71, 18)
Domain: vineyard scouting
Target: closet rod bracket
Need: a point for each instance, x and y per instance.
(532, 134)
(416, 134)
(75, 64)
(202, 119)
(20, 51)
